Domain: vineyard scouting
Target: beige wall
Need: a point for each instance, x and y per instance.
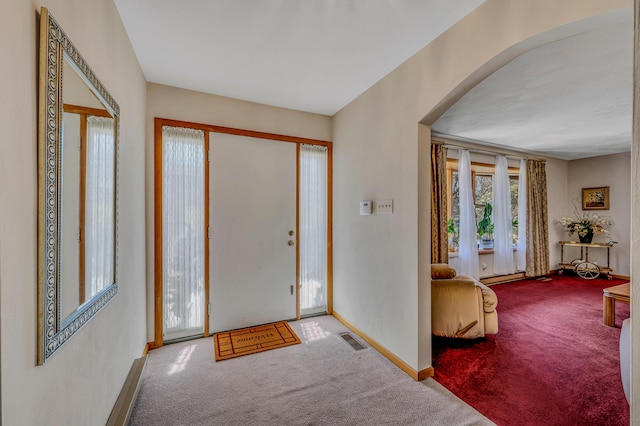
(381, 262)
(557, 205)
(80, 383)
(613, 171)
(186, 105)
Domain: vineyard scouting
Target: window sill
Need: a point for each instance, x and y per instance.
(481, 252)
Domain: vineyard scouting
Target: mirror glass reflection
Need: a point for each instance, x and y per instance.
(87, 189)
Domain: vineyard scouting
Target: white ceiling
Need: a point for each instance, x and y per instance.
(307, 55)
(569, 99)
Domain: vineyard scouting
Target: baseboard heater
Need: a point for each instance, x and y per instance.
(123, 407)
(500, 279)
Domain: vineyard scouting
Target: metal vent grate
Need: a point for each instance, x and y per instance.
(353, 342)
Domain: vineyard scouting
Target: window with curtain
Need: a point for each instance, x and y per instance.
(183, 232)
(99, 244)
(313, 229)
(483, 192)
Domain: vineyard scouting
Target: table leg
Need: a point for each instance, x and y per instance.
(609, 310)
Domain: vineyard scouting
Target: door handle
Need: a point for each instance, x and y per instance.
(291, 242)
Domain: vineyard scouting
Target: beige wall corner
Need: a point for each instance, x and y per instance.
(613, 171)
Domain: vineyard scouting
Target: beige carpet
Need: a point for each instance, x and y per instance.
(322, 381)
(250, 340)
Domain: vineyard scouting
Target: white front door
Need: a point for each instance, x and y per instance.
(252, 237)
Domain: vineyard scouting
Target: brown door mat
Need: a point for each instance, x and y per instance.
(245, 341)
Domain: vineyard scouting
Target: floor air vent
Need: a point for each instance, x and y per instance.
(353, 342)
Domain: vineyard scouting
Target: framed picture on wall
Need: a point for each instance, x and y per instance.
(595, 198)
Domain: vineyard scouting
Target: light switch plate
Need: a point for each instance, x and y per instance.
(384, 206)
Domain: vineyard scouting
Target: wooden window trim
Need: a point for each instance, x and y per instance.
(76, 109)
(207, 224)
(481, 168)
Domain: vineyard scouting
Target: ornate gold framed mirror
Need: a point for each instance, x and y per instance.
(78, 129)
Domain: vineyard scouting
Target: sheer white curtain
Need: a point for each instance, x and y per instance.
(99, 235)
(502, 232)
(521, 253)
(313, 229)
(183, 233)
(468, 247)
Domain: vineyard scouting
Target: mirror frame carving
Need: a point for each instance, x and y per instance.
(53, 331)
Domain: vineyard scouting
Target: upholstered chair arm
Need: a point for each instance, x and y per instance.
(457, 308)
(489, 298)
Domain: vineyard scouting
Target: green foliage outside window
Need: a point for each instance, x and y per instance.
(485, 225)
(483, 194)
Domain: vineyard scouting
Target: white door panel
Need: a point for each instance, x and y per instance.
(253, 208)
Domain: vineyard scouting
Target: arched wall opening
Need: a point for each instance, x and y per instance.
(382, 149)
(497, 62)
(591, 23)
(565, 91)
(567, 30)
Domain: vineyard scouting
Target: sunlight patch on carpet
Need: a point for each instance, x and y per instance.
(250, 340)
(311, 331)
(182, 360)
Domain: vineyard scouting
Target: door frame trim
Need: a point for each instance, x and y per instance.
(207, 128)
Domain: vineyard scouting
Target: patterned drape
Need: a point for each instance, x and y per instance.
(537, 222)
(439, 236)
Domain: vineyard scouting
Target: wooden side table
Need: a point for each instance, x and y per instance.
(620, 293)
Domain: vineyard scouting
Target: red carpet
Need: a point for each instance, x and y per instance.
(553, 361)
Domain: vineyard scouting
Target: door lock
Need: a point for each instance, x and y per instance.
(291, 232)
